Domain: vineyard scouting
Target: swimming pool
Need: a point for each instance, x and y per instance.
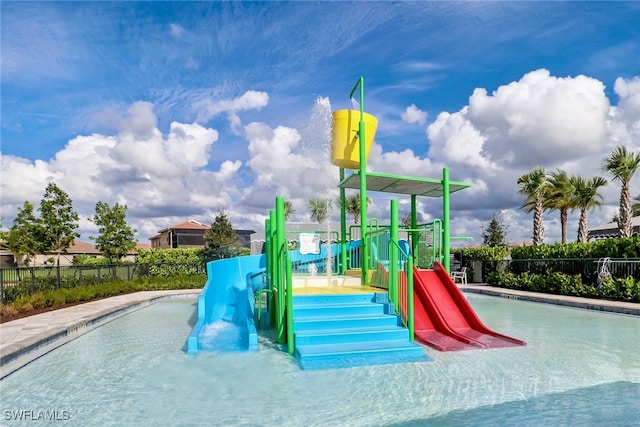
(579, 368)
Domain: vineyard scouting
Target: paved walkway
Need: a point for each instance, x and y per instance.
(578, 302)
(24, 340)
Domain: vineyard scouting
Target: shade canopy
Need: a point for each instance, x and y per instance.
(387, 183)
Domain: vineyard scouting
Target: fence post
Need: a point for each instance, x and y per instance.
(1, 286)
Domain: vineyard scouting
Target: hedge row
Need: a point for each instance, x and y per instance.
(58, 297)
(612, 248)
(553, 282)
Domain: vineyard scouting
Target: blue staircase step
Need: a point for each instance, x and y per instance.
(363, 298)
(369, 347)
(320, 323)
(337, 336)
(359, 354)
(337, 331)
(324, 310)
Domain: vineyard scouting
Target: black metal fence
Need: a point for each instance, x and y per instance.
(588, 268)
(15, 281)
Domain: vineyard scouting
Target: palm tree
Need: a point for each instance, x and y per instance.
(621, 165)
(560, 197)
(534, 186)
(586, 197)
(635, 207)
(319, 209)
(288, 209)
(352, 206)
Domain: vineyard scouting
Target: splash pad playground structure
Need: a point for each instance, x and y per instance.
(365, 299)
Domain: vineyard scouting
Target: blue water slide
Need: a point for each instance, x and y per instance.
(226, 305)
(302, 262)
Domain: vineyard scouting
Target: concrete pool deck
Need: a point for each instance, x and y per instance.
(26, 339)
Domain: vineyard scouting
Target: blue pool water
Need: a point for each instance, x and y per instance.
(580, 368)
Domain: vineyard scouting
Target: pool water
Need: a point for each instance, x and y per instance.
(580, 368)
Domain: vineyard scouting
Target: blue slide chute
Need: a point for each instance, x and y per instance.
(226, 306)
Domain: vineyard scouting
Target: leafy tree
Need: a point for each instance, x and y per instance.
(319, 209)
(586, 197)
(405, 221)
(25, 236)
(116, 238)
(221, 239)
(495, 232)
(352, 206)
(59, 220)
(534, 187)
(560, 197)
(621, 165)
(288, 209)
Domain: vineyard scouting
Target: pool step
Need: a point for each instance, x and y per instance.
(336, 331)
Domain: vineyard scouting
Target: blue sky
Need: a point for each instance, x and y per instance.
(179, 109)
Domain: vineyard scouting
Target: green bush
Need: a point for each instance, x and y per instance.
(38, 300)
(554, 282)
(612, 248)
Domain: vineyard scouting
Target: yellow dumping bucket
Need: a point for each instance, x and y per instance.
(345, 141)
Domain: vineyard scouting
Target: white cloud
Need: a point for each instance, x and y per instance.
(414, 115)
(627, 114)
(165, 178)
(250, 100)
(540, 119)
(156, 176)
(176, 30)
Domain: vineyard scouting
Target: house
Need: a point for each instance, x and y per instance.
(605, 231)
(190, 234)
(187, 234)
(78, 247)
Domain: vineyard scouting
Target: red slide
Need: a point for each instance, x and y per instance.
(445, 320)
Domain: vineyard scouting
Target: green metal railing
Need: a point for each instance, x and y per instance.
(279, 274)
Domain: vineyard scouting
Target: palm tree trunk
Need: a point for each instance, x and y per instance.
(582, 226)
(625, 212)
(538, 226)
(563, 223)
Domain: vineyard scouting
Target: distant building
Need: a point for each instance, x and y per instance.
(190, 234)
(77, 248)
(609, 230)
(187, 234)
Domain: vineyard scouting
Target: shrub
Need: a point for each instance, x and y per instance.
(8, 310)
(565, 284)
(38, 300)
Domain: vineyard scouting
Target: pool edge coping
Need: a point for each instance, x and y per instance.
(21, 353)
(618, 307)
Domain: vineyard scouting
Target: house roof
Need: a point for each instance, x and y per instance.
(611, 229)
(80, 247)
(186, 225)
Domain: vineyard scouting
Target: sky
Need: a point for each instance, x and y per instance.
(182, 109)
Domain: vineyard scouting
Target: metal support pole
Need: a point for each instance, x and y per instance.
(446, 236)
(363, 183)
(414, 226)
(343, 227)
(280, 241)
(393, 254)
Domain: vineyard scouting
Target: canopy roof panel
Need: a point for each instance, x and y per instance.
(397, 184)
